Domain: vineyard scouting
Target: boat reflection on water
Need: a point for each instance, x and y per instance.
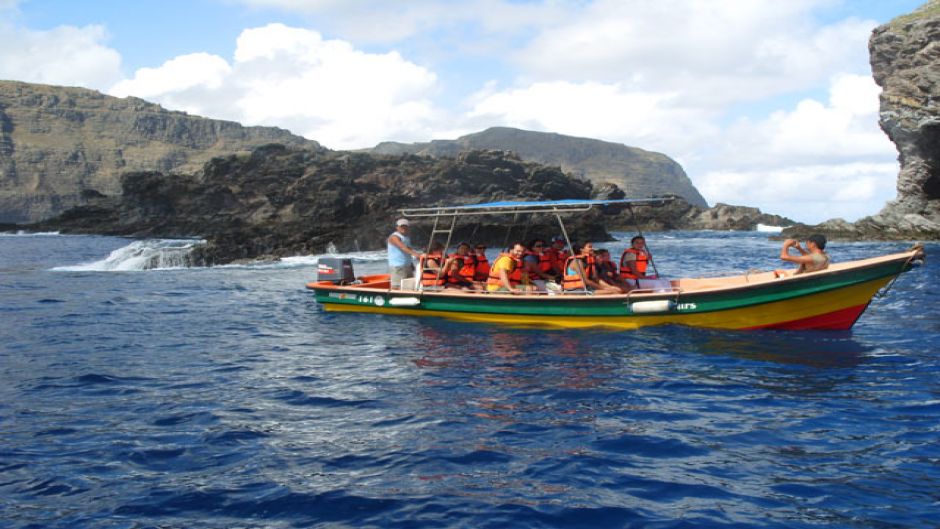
(446, 343)
(529, 355)
(511, 375)
(808, 348)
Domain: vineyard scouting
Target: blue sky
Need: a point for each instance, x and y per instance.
(764, 103)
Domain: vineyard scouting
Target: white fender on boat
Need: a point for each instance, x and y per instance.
(651, 307)
(404, 302)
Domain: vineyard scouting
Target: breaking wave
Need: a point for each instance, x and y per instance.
(21, 233)
(299, 261)
(766, 228)
(148, 254)
(168, 254)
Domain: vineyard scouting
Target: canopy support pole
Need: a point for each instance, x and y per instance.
(570, 254)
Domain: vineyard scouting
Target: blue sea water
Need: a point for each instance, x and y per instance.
(227, 398)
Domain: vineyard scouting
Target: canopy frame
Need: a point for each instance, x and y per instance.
(550, 207)
(557, 207)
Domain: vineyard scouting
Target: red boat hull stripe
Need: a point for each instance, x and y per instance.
(839, 320)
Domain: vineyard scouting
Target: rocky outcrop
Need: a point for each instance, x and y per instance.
(640, 173)
(58, 142)
(281, 201)
(905, 61)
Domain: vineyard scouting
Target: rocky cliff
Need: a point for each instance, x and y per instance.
(57, 143)
(905, 61)
(640, 173)
(281, 201)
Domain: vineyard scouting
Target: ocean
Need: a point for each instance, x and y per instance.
(138, 393)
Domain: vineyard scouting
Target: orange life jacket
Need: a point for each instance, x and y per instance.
(465, 272)
(572, 279)
(515, 275)
(642, 260)
(482, 269)
(430, 277)
(545, 262)
(559, 259)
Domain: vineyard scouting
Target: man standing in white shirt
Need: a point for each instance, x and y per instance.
(400, 265)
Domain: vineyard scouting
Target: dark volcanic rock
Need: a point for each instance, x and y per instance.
(281, 201)
(905, 60)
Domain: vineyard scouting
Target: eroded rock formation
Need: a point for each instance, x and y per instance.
(905, 61)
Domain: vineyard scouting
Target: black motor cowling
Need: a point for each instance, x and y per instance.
(337, 271)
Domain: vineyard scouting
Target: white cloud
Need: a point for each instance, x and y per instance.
(712, 52)
(842, 130)
(806, 193)
(650, 120)
(280, 76)
(66, 55)
(177, 74)
(794, 162)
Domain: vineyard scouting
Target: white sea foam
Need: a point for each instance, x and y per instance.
(21, 233)
(307, 260)
(300, 261)
(765, 228)
(164, 254)
(148, 254)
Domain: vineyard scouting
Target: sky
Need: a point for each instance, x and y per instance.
(765, 103)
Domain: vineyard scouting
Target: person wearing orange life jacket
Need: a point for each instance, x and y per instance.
(559, 255)
(607, 273)
(581, 272)
(483, 265)
(467, 259)
(452, 275)
(635, 260)
(538, 264)
(430, 266)
(506, 274)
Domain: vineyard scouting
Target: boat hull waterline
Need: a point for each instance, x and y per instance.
(832, 299)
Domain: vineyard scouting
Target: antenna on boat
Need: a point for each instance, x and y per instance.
(515, 218)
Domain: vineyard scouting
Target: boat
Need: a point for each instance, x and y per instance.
(831, 299)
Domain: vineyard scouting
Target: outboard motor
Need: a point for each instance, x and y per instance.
(335, 270)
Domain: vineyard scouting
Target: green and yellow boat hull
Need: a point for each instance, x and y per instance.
(832, 299)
